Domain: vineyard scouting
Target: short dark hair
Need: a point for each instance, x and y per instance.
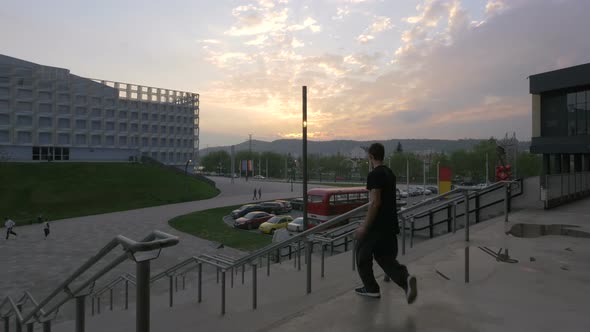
(377, 151)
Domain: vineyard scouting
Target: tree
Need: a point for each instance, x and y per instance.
(218, 161)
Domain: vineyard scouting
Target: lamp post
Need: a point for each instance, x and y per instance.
(186, 173)
(304, 157)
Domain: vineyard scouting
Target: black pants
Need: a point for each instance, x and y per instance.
(9, 231)
(382, 247)
(46, 231)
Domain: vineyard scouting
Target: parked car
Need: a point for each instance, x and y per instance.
(432, 189)
(252, 220)
(244, 209)
(403, 194)
(415, 192)
(286, 204)
(273, 207)
(259, 177)
(297, 203)
(297, 224)
(274, 223)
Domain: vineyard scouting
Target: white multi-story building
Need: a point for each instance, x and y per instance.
(47, 113)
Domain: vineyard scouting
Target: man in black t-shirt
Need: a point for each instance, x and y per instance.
(376, 236)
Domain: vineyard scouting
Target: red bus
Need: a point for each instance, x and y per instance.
(324, 204)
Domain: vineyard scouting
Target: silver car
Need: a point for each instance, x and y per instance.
(296, 225)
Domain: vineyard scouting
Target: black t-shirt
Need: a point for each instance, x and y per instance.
(383, 178)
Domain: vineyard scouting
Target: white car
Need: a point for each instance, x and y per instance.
(296, 225)
(260, 177)
(403, 194)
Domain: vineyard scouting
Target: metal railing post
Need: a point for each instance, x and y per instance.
(176, 283)
(308, 259)
(323, 256)
(412, 232)
(31, 327)
(19, 325)
(126, 294)
(243, 272)
(6, 324)
(217, 274)
(80, 313)
(142, 311)
(430, 224)
(279, 255)
(268, 264)
(200, 283)
(111, 299)
(231, 277)
(47, 326)
(299, 256)
(467, 264)
(171, 291)
(449, 218)
(403, 236)
(477, 207)
(98, 305)
(254, 285)
(183, 281)
(454, 217)
(223, 292)
(466, 216)
(345, 243)
(506, 199)
(92, 301)
(354, 254)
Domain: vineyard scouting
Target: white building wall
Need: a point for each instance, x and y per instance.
(47, 106)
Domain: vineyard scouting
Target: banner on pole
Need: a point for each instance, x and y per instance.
(445, 177)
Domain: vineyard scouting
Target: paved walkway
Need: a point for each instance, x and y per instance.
(31, 263)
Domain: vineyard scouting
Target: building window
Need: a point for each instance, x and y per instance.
(63, 138)
(63, 109)
(80, 100)
(162, 118)
(122, 115)
(63, 123)
(122, 126)
(24, 120)
(134, 116)
(144, 141)
(109, 140)
(145, 128)
(154, 129)
(81, 139)
(96, 125)
(162, 142)
(63, 98)
(96, 139)
(24, 107)
(577, 113)
(80, 124)
(109, 114)
(163, 130)
(109, 125)
(81, 111)
(4, 119)
(45, 96)
(24, 137)
(97, 113)
(45, 138)
(144, 117)
(154, 142)
(155, 117)
(134, 127)
(45, 122)
(4, 137)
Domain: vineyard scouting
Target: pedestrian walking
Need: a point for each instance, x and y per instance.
(254, 197)
(9, 224)
(377, 235)
(46, 228)
(259, 193)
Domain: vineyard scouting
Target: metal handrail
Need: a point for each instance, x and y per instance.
(155, 241)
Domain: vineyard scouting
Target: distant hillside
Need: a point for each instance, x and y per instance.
(346, 147)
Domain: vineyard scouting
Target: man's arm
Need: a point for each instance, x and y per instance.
(374, 205)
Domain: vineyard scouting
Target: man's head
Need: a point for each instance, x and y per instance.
(376, 152)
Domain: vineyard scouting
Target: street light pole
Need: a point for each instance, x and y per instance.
(186, 173)
(304, 159)
(438, 177)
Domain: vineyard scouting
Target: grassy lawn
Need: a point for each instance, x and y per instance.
(64, 190)
(209, 225)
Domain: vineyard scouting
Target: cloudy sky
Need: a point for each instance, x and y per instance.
(375, 69)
